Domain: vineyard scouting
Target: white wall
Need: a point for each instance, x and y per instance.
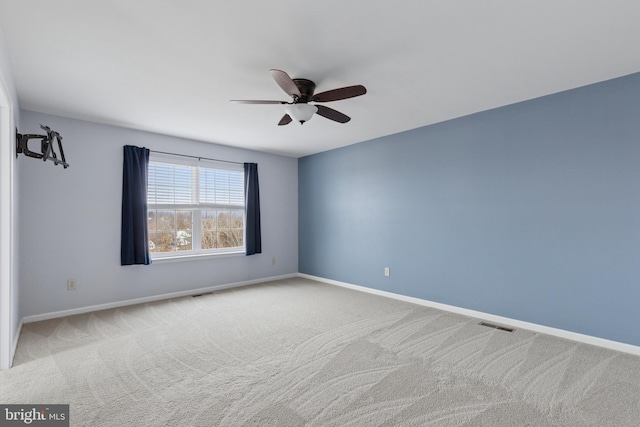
(9, 307)
(70, 221)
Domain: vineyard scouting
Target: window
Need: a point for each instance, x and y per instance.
(195, 206)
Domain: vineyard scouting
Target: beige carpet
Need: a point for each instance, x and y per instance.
(301, 353)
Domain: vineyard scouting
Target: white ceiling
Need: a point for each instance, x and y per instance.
(171, 67)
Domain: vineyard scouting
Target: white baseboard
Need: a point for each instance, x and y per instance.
(88, 309)
(518, 324)
(14, 347)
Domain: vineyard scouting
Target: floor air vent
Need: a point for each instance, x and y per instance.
(491, 325)
(199, 295)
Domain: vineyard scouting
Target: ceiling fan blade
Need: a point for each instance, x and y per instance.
(332, 114)
(285, 82)
(338, 94)
(285, 120)
(252, 101)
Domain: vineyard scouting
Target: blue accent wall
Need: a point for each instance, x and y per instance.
(529, 211)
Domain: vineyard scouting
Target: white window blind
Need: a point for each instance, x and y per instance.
(221, 188)
(171, 185)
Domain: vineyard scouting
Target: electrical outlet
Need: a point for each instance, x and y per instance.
(386, 271)
(72, 284)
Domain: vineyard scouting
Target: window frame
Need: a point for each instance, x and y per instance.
(197, 206)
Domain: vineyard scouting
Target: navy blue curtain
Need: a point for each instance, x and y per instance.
(135, 241)
(253, 243)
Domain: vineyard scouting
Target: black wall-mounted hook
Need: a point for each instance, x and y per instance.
(47, 151)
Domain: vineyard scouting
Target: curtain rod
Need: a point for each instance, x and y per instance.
(196, 157)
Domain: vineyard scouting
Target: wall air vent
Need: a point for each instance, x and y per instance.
(491, 325)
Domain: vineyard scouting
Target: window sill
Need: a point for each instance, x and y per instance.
(192, 257)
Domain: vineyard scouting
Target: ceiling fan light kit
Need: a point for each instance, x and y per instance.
(301, 92)
(301, 112)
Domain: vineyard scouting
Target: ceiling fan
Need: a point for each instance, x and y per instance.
(301, 92)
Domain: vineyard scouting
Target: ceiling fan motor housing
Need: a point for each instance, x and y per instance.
(306, 88)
